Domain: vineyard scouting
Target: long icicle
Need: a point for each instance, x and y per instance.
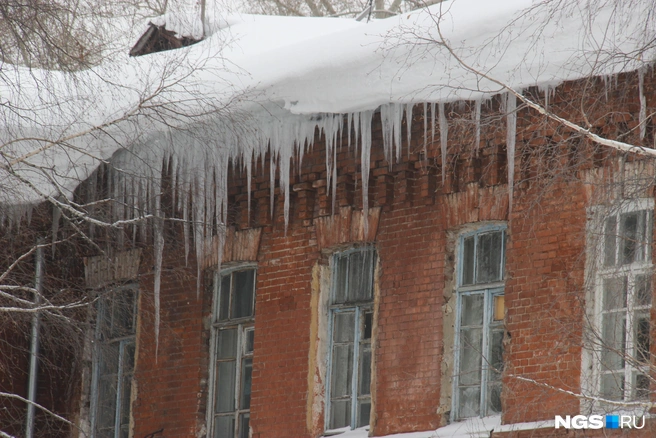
(511, 119)
(408, 123)
(159, 250)
(365, 163)
(425, 131)
(643, 103)
(444, 135)
(477, 121)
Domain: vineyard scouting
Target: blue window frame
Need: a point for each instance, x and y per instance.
(231, 352)
(479, 323)
(348, 389)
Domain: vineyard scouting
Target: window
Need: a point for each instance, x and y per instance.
(113, 363)
(232, 353)
(623, 302)
(479, 323)
(351, 322)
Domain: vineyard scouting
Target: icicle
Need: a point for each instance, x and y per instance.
(135, 211)
(198, 226)
(349, 124)
(174, 184)
(546, 98)
(397, 122)
(141, 201)
(185, 227)
(432, 107)
(365, 162)
(159, 250)
(444, 133)
(408, 123)
(285, 159)
(356, 129)
(335, 127)
(386, 127)
(249, 177)
(477, 121)
(272, 180)
(511, 119)
(56, 215)
(425, 131)
(91, 196)
(643, 103)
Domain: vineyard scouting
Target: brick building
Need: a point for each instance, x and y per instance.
(475, 290)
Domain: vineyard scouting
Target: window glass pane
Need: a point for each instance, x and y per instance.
(364, 412)
(643, 290)
(104, 317)
(365, 371)
(225, 386)
(368, 325)
(125, 400)
(244, 420)
(109, 358)
(488, 257)
(128, 357)
(243, 287)
(468, 261)
(470, 356)
(494, 398)
(360, 276)
(224, 427)
(641, 386)
(342, 370)
(123, 302)
(341, 274)
(632, 239)
(495, 357)
(246, 379)
(614, 293)
(469, 402)
(344, 329)
(641, 325)
(107, 402)
(224, 302)
(610, 239)
(612, 386)
(613, 338)
(121, 315)
(227, 344)
(472, 310)
(340, 414)
(250, 335)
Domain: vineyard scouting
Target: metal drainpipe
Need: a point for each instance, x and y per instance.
(34, 348)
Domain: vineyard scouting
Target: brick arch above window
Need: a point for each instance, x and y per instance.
(347, 226)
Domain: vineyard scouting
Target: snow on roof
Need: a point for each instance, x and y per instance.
(261, 80)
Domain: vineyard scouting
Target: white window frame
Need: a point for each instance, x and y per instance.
(489, 291)
(601, 273)
(123, 342)
(244, 326)
(360, 309)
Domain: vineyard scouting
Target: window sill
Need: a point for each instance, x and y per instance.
(470, 428)
(347, 432)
